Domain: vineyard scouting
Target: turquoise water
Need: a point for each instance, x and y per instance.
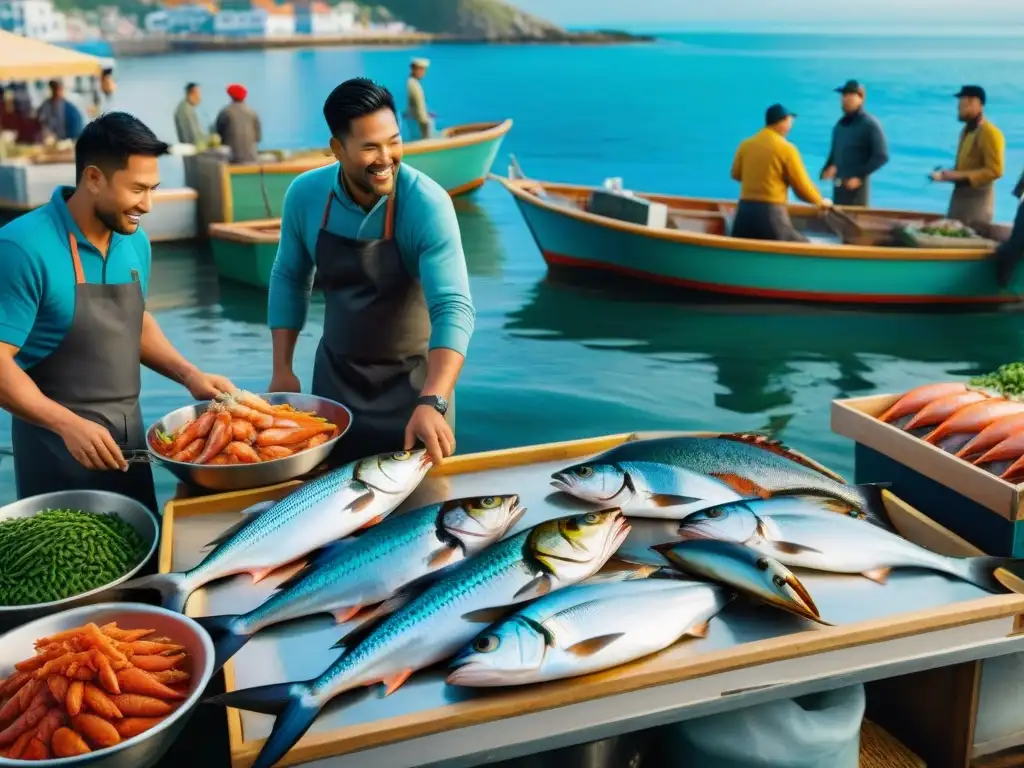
(555, 360)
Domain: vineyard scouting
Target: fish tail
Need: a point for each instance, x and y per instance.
(174, 588)
(872, 503)
(227, 636)
(981, 571)
(292, 705)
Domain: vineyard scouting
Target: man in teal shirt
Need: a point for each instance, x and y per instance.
(73, 325)
(385, 243)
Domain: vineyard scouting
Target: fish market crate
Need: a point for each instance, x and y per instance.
(980, 507)
(753, 654)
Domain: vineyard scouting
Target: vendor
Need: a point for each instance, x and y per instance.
(73, 325)
(419, 121)
(766, 165)
(386, 246)
(59, 117)
(858, 148)
(238, 126)
(979, 162)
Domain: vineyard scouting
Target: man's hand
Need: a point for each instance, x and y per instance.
(852, 184)
(941, 175)
(829, 173)
(429, 426)
(284, 381)
(825, 204)
(206, 386)
(91, 445)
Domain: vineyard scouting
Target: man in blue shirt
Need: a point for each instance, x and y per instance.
(385, 243)
(73, 325)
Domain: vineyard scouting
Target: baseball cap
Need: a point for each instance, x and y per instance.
(776, 113)
(974, 91)
(851, 86)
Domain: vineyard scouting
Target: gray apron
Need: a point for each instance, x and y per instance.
(95, 373)
(372, 356)
(844, 196)
(755, 220)
(972, 205)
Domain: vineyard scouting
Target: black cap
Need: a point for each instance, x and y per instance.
(776, 113)
(851, 86)
(971, 91)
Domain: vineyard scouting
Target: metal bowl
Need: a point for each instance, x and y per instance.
(96, 502)
(147, 748)
(240, 477)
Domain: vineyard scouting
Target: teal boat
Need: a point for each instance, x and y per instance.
(244, 251)
(855, 256)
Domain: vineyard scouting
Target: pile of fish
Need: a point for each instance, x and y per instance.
(975, 425)
(454, 581)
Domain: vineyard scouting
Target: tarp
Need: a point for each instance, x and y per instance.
(22, 58)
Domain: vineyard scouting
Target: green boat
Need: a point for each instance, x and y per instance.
(855, 256)
(244, 251)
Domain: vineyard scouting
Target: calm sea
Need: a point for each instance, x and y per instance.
(555, 360)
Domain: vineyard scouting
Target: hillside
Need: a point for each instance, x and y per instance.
(488, 19)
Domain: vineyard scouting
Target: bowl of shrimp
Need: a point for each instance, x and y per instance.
(244, 440)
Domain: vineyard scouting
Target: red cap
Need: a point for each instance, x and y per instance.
(237, 92)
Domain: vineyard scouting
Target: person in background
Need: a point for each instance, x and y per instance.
(1009, 254)
(979, 163)
(766, 166)
(15, 117)
(59, 117)
(73, 323)
(385, 244)
(419, 120)
(858, 149)
(186, 118)
(103, 98)
(239, 126)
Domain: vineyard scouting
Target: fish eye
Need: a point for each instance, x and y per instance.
(485, 644)
(490, 502)
(713, 513)
(778, 581)
(590, 518)
(401, 456)
(762, 564)
(584, 471)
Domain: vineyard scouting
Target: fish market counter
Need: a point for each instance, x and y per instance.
(752, 653)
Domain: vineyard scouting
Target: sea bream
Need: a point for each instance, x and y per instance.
(441, 620)
(672, 477)
(587, 628)
(803, 534)
(379, 565)
(357, 495)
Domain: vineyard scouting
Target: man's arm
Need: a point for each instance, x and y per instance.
(879, 148)
(993, 149)
(158, 354)
(737, 164)
(796, 175)
(831, 159)
(291, 281)
(258, 126)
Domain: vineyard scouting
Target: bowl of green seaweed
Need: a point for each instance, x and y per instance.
(69, 548)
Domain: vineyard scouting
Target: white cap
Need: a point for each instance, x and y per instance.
(421, 63)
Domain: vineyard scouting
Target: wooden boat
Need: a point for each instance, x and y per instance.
(244, 251)
(459, 160)
(693, 251)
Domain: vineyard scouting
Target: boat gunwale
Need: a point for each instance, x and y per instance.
(521, 190)
(247, 232)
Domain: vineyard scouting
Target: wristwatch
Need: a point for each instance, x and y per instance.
(436, 402)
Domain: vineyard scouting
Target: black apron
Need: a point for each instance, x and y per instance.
(95, 373)
(756, 220)
(372, 356)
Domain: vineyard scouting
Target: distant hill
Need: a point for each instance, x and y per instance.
(488, 19)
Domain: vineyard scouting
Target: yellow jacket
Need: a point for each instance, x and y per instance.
(980, 153)
(766, 166)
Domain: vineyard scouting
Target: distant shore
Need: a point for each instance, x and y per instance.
(155, 46)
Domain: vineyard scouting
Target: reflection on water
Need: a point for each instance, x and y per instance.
(480, 237)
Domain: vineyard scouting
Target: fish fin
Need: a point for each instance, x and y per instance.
(174, 588)
(373, 522)
(879, 575)
(443, 557)
(259, 507)
(791, 548)
(617, 569)
(699, 630)
(776, 447)
(345, 613)
(395, 682)
(592, 645)
(296, 577)
(363, 500)
(227, 640)
(259, 574)
(873, 505)
(227, 534)
(982, 572)
(742, 485)
(537, 587)
(486, 615)
(356, 635)
(264, 699)
(670, 500)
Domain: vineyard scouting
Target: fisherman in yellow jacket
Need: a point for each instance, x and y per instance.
(766, 166)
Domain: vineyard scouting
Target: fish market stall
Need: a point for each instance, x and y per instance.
(859, 629)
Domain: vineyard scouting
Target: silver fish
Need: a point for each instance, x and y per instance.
(745, 569)
(373, 567)
(671, 477)
(357, 495)
(437, 623)
(588, 628)
(803, 533)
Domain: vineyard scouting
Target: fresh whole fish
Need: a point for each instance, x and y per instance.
(373, 567)
(970, 420)
(357, 495)
(940, 409)
(588, 628)
(801, 534)
(746, 570)
(917, 398)
(993, 435)
(672, 477)
(438, 622)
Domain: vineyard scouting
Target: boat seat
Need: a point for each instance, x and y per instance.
(703, 222)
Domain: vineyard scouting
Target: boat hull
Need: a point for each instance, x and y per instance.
(572, 239)
(244, 253)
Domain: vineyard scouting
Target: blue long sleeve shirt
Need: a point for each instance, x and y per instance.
(427, 234)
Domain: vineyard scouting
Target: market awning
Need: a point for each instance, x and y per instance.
(22, 58)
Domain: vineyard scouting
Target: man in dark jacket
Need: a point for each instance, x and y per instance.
(1009, 254)
(858, 149)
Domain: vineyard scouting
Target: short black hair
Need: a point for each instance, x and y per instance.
(190, 86)
(353, 99)
(107, 72)
(54, 84)
(109, 140)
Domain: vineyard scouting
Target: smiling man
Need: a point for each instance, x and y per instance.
(385, 244)
(73, 325)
